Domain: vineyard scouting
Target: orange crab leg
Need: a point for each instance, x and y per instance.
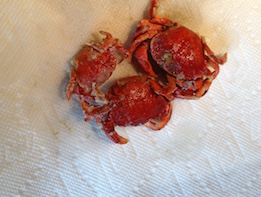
(82, 94)
(145, 26)
(163, 21)
(110, 132)
(110, 42)
(141, 55)
(140, 39)
(92, 112)
(218, 59)
(107, 41)
(146, 30)
(197, 84)
(213, 65)
(157, 124)
(195, 90)
(72, 84)
(153, 7)
(122, 49)
(171, 86)
(203, 90)
(98, 113)
(166, 91)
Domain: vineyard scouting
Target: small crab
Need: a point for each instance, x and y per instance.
(132, 101)
(92, 66)
(179, 51)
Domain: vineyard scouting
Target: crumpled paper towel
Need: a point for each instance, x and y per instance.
(210, 147)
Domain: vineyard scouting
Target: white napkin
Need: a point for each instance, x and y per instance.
(210, 147)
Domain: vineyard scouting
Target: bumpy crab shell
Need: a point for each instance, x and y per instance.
(179, 51)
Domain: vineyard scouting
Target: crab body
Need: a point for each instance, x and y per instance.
(133, 101)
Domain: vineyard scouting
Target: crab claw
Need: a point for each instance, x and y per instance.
(140, 39)
(141, 55)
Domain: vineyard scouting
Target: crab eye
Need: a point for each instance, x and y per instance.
(167, 57)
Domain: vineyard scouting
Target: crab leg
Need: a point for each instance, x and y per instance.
(210, 75)
(145, 26)
(157, 124)
(82, 94)
(140, 39)
(111, 44)
(153, 6)
(207, 82)
(171, 86)
(147, 30)
(157, 24)
(141, 55)
(214, 66)
(166, 91)
(121, 48)
(195, 90)
(203, 90)
(72, 84)
(92, 112)
(94, 95)
(110, 132)
(218, 59)
(163, 21)
(107, 41)
(102, 46)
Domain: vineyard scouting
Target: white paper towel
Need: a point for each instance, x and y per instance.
(210, 147)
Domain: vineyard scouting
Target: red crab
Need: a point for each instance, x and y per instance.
(179, 51)
(92, 66)
(132, 101)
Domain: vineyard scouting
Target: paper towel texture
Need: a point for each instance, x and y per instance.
(210, 147)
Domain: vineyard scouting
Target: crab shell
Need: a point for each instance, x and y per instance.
(93, 67)
(133, 102)
(179, 51)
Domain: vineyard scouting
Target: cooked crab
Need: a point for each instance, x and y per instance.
(132, 101)
(177, 50)
(92, 66)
